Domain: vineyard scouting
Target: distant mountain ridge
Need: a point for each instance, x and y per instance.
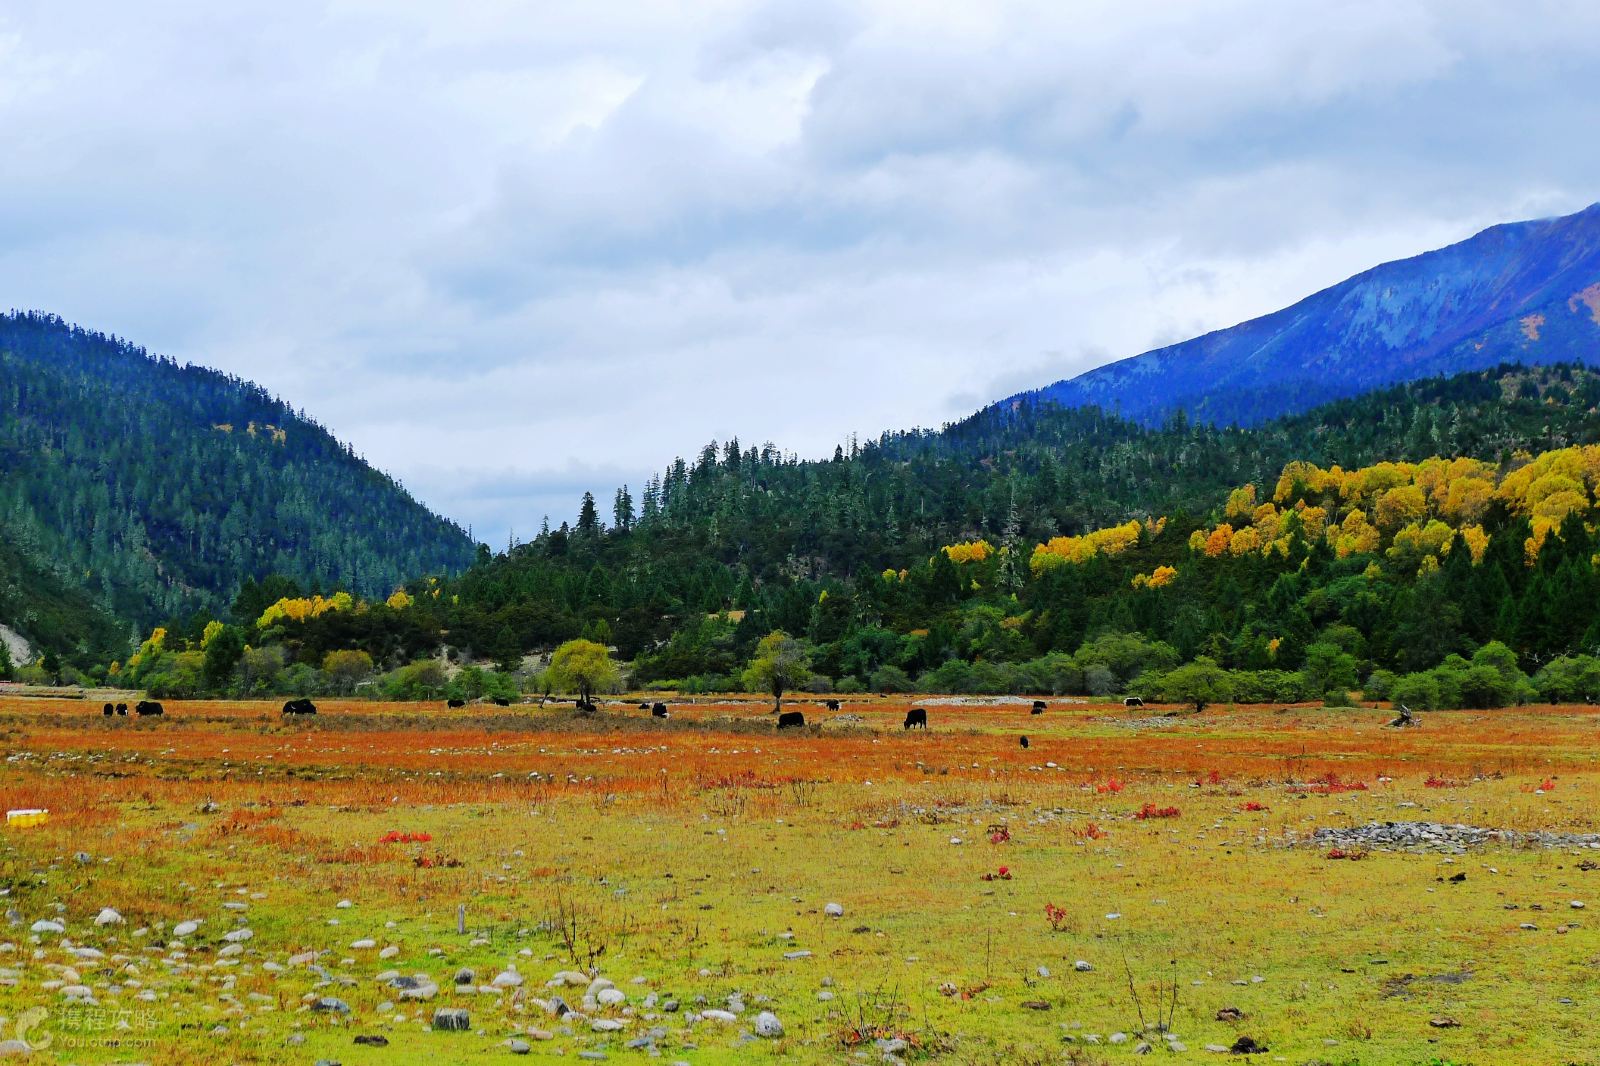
(1521, 292)
(153, 490)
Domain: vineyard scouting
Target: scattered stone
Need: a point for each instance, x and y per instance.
(507, 979)
(768, 1025)
(372, 1041)
(607, 1025)
(455, 1019)
(1247, 1046)
(465, 976)
(1444, 1023)
(611, 997)
(834, 910)
(1118, 1038)
(518, 1047)
(108, 916)
(45, 925)
(363, 944)
(1082, 967)
(1034, 1004)
(330, 1005)
(793, 955)
(1230, 1014)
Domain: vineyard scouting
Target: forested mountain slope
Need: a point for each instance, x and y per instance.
(1526, 292)
(157, 489)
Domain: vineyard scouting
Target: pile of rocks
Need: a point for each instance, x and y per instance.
(1439, 836)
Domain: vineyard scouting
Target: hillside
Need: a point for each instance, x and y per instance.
(137, 489)
(1524, 292)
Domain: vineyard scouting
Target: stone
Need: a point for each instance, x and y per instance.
(108, 916)
(389, 952)
(237, 936)
(719, 1016)
(465, 976)
(793, 955)
(330, 1005)
(607, 1025)
(507, 979)
(1083, 966)
(768, 1025)
(834, 910)
(363, 944)
(1118, 1038)
(611, 997)
(46, 925)
(570, 978)
(452, 1019)
(185, 928)
(372, 1041)
(518, 1047)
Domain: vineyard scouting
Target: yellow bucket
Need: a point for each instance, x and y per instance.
(27, 816)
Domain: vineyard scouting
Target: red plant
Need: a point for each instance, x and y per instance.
(423, 862)
(1000, 836)
(1112, 785)
(1213, 778)
(1252, 805)
(1056, 916)
(1150, 810)
(1340, 853)
(1002, 874)
(1435, 781)
(394, 836)
(1091, 831)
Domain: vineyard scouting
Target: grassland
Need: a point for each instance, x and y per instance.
(688, 858)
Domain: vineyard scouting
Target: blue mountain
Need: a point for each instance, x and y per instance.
(1523, 292)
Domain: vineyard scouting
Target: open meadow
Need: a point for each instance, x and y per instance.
(225, 884)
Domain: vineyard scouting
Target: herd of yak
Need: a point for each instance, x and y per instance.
(916, 717)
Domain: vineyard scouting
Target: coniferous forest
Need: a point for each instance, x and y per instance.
(1432, 542)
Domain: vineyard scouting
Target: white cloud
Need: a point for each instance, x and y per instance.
(511, 251)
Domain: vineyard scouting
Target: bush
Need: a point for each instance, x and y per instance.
(1420, 692)
(885, 679)
(421, 680)
(851, 684)
(1380, 683)
(1338, 698)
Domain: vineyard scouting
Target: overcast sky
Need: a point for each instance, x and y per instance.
(515, 250)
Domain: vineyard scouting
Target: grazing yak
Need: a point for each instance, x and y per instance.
(1133, 701)
(500, 701)
(109, 711)
(300, 706)
(122, 709)
(659, 710)
(1024, 741)
(791, 720)
(916, 718)
(455, 703)
(144, 707)
(1038, 707)
(833, 705)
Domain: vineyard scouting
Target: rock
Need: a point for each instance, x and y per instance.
(825, 995)
(1142, 1048)
(1444, 1023)
(305, 958)
(1247, 1046)
(891, 1045)
(185, 928)
(389, 952)
(1576, 904)
(237, 936)
(330, 1005)
(607, 1025)
(344, 904)
(558, 1007)
(108, 916)
(570, 978)
(719, 1016)
(82, 858)
(1044, 971)
(372, 1041)
(454, 1019)
(611, 997)
(793, 955)
(671, 1006)
(363, 944)
(768, 1025)
(46, 925)
(1082, 967)
(507, 979)
(465, 976)
(518, 1047)
(1034, 1004)
(834, 910)
(1118, 1038)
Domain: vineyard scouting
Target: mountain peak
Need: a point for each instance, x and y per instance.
(1519, 292)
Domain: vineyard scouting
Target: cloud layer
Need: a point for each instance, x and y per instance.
(514, 251)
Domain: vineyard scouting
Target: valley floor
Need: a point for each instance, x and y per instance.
(995, 904)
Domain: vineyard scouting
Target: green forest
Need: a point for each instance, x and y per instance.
(1029, 549)
(133, 489)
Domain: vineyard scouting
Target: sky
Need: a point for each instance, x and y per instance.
(513, 251)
